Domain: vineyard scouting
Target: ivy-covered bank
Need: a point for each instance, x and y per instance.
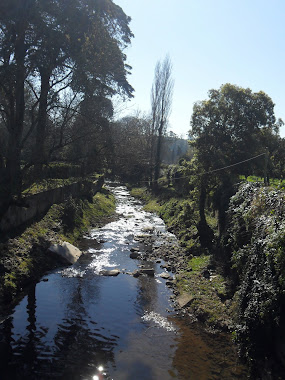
(24, 258)
(239, 283)
(255, 243)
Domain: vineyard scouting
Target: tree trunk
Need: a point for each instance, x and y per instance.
(206, 234)
(158, 155)
(202, 200)
(39, 156)
(13, 168)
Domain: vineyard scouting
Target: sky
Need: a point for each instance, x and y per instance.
(210, 43)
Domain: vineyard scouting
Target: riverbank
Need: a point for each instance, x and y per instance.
(126, 323)
(238, 284)
(24, 258)
(201, 291)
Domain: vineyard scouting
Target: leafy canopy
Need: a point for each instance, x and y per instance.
(227, 127)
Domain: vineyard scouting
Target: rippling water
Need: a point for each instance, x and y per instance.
(76, 321)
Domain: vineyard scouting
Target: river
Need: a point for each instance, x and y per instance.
(77, 324)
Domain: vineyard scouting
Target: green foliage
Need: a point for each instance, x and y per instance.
(43, 185)
(227, 127)
(55, 77)
(84, 213)
(71, 212)
(257, 239)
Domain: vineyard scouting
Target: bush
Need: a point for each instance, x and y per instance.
(257, 242)
(70, 213)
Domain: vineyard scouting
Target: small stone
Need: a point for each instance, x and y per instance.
(112, 272)
(165, 275)
(148, 271)
(136, 273)
(134, 255)
(134, 249)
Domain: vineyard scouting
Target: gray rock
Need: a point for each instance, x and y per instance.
(66, 251)
(165, 275)
(112, 272)
(148, 271)
(134, 249)
(185, 300)
(136, 273)
(134, 255)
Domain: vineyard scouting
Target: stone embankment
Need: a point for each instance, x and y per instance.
(25, 256)
(33, 206)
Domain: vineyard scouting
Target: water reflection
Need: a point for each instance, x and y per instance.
(69, 326)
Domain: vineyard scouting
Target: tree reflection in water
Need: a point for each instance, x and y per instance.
(77, 348)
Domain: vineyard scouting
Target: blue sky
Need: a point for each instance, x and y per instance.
(210, 43)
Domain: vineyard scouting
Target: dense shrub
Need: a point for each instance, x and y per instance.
(181, 217)
(71, 212)
(256, 239)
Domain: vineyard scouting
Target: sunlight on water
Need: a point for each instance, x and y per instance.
(159, 320)
(72, 272)
(97, 327)
(101, 260)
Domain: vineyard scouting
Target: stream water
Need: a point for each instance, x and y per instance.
(78, 324)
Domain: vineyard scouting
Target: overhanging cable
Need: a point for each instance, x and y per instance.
(214, 170)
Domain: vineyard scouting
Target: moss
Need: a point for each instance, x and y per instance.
(52, 183)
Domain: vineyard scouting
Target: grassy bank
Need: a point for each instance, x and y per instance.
(24, 258)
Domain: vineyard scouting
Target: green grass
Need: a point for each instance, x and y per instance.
(151, 202)
(274, 182)
(208, 294)
(48, 184)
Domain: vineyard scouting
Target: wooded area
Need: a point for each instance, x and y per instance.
(63, 63)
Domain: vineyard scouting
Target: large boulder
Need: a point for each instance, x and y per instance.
(67, 252)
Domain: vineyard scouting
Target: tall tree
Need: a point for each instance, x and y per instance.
(226, 129)
(161, 100)
(16, 38)
(47, 46)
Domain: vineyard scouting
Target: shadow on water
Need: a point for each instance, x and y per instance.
(77, 348)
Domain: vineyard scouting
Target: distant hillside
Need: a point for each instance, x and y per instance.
(173, 149)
